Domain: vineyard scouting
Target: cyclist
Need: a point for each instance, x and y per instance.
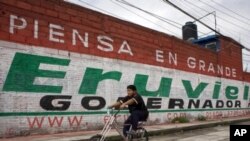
(138, 110)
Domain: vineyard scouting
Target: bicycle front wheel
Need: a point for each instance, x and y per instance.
(143, 133)
(96, 138)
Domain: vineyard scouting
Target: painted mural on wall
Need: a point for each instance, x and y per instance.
(61, 91)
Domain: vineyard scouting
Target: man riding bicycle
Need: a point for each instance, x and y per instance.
(137, 109)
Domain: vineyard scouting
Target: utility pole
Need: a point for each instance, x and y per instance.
(175, 6)
(211, 13)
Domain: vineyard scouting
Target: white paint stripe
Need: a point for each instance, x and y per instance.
(48, 81)
(52, 67)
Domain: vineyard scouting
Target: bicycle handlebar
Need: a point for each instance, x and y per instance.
(110, 111)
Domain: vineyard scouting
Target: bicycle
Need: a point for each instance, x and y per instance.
(140, 134)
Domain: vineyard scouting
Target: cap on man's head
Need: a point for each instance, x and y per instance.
(132, 87)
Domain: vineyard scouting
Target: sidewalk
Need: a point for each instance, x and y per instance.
(153, 131)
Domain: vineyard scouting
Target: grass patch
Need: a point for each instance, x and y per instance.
(201, 118)
(180, 120)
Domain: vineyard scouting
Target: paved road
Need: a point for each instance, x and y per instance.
(244, 123)
(219, 133)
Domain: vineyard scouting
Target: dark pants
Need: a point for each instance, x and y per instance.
(133, 120)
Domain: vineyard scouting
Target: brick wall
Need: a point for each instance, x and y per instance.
(68, 17)
(246, 76)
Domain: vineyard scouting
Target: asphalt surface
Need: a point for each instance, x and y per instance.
(219, 133)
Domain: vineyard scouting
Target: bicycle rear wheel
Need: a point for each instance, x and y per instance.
(141, 135)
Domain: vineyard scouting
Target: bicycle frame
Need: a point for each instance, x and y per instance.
(112, 123)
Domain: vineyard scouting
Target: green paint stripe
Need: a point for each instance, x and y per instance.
(198, 110)
(6, 114)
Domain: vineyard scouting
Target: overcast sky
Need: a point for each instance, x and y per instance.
(232, 16)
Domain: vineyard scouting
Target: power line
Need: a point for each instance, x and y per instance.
(123, 18)
(170, 3)
(239, 26)
(152, 14)
(239, 15)
(183, 11)
(195, 13)
(206, 34)
(223, 27)
(246, 61)
(105, 11)
(146, 18)
(246, 54)
(159, 17)
(142, 16)
(230, 10)
(223, 12)
(155, 16)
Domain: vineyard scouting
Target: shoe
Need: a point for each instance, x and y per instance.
(131, 132)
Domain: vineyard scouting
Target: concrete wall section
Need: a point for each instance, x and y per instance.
(47, 91)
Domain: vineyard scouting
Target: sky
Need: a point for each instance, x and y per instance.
(232, 17)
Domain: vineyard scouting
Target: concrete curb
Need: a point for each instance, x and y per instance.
(182, 129)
